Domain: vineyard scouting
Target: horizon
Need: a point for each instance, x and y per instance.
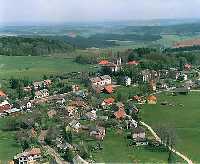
(65, 11)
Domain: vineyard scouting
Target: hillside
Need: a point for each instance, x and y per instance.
(22, 46)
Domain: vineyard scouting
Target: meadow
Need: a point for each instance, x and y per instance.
(34, 67)
(116, 150)
(183, 116)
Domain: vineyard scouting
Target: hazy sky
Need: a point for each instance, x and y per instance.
(95, 10)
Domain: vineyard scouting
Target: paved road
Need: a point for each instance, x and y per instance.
(159, 140)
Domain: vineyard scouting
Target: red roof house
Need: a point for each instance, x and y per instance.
(103, 62)
(133, 62)
(120, 114)
(108, 101)
(109, 89)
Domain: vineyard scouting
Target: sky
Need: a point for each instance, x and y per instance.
(58, 11)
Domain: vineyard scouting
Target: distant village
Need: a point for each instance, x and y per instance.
(91, 106)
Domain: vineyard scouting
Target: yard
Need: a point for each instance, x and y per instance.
(34, 67)
(183, 114)
(116, 149)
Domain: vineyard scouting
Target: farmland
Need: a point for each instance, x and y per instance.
(34, 67)
(183, 116)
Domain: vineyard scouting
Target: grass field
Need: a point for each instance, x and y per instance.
(8, 145)
(184, 119)
(35, 67)
(116, 149)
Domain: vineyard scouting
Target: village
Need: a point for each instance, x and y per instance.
(72, 124)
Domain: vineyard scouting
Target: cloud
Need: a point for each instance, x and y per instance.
(95, 10)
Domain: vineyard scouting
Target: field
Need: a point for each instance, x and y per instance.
(8, 145)
(183, 116)
(34, 67)
(116, 149)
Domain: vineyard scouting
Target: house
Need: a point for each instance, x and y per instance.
(23, 105)
(38, 85)
(112, 66)
(139, 136)
(41, 94)
(28, 156)
(107, 102)
(75, 88)
(182, 77)
(2, 94)
(101, 80)
(47, 83)
(173, 73)
(91, 115)
(4, 106)
(133, 62)
(108, 89)
(75, 125)
(98, 132)
(64, 146)
(187, 66)
(51, 113)
(148, 75)
(152, 99)
(152, 85)
(120, 114)
(127, 81)
(78, 103)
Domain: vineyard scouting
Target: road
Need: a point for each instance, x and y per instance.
(189, 161)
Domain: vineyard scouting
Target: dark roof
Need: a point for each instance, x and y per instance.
(138, 130)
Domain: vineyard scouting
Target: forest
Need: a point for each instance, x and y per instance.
(23, 46)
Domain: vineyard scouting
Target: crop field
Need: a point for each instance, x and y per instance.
(34, 67)
(183, 116)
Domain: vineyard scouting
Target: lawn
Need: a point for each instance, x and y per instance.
(116, 150)
(34, 67)
(183, 118)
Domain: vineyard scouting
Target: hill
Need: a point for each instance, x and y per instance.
(24, 46)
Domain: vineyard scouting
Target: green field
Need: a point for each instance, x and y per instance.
(116, 149)
(184, 119)
(8, 145)
(35, 67)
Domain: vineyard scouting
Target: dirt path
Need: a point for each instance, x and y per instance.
(54, 154)
(173, 150)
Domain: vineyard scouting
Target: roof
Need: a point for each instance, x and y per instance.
(152, 98)
(109, 100)
(103, 62)
(104, 77)
(138, 130)
(2, 94)
(133, 62)
(109, 88)
(120, 114)
(33, 151)
(181, 90)
(188, 66)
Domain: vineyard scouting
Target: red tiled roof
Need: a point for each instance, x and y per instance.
(34, 151)
(188, 66)
(109, 88)
(152, 98)
(103, 62)
(120, 114)
(133, 62)
(2, 94)
(109, 101)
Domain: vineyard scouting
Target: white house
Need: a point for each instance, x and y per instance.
(127, 81)
(101, 80)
